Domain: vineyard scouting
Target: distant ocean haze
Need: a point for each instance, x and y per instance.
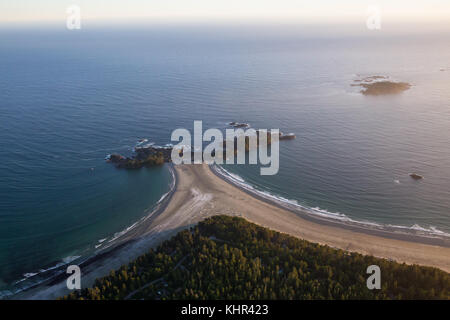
(68, 99)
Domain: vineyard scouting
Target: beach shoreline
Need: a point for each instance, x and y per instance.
(384, 231)
(200, 192)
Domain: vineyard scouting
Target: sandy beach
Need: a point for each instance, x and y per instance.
(199, 193)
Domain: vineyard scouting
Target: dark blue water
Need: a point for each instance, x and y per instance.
(67, 99)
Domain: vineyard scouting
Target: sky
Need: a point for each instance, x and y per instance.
(218, 10)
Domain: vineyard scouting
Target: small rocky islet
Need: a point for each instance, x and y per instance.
(239, 124)
(380, 85)
(415, 176)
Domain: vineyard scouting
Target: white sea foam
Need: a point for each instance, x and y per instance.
(29, 275)
(431, 230)
(163, 197)
(141, 142)
(121, 233)
(56, 266)
(64, 261)
(236, 177)
(69, 259)
(29, 281)
(148, 145)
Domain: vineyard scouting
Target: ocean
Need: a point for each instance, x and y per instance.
(70, 98)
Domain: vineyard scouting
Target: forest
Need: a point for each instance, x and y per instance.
(226, 257)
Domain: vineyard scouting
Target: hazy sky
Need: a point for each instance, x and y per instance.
(198, 10)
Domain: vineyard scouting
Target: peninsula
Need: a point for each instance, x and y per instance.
(201, 192)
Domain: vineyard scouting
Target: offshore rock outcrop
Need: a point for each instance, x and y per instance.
(239, 124)
(415, 176)
(288, 136)
(143, 157)
(380, 85)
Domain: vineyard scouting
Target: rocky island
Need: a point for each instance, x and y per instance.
(143, 157)
(380, 85)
